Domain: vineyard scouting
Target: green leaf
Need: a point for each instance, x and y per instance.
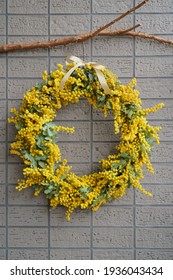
(41, 164)
(125, 155)
(123, 162)
(39, 157)
(19, 125)
(47, 130)
(50, 132)
(84, 190)
(128, 184)
(101, 100)
(49, 76)
(135, 174)
(47, 138)
(143, 148)
(91, 77)
(45, 184)
(115, 165)
(130, 113)
(100, 197)
(109, 105)
(48, 125)
(48, 191)
(35, 107)
(39, 86)
(36, 187)
(40, 139)
(63, 177)
(150, 141)
(29, 157)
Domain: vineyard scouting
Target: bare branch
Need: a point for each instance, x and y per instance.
(64, 41)
(103, 27)
(135, 34)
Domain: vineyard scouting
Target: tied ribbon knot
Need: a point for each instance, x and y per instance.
(79, 62)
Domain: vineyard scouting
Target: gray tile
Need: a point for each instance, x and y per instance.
(113, 237)
(27, 7)
(78, 218)
(27, 216)
(2, 237)
(63, 7)
(69, 24)
(71, 238)
(26, 67)
(154, 238)
(2, 254)
(2, 194)
(28, 237)
(69, 254)
(25, 197)
(112, 254)
(148, 254)
(27, 25)
(113, 216)
(27, 254)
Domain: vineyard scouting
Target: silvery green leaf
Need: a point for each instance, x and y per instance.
(115, 165)
(41, 164)
(100, 197)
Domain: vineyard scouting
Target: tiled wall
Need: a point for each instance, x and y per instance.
(135, 227)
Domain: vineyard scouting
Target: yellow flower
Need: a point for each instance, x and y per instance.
(35, 140)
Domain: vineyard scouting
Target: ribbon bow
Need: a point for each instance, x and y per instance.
(95, 66)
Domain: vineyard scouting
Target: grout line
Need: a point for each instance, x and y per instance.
(95, 248)
(6, 164)
(168, 250)
(156, 205)
(88, 227)
(91, 135)
(120, 77)
(48, 208)
(39, 57)
(87, 14)
(45, 14)
(134, 192)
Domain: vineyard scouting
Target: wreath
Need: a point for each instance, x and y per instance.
(35, 141)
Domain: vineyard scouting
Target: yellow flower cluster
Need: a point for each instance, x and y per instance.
(46, 172)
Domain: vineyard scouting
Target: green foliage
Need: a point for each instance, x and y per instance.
(98, 199)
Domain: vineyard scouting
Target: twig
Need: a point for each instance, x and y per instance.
(103, 27)
(120, 31)
(135, 34)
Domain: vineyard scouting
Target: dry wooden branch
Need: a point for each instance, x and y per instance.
(82, 37)
(57, 42)
(135, 34)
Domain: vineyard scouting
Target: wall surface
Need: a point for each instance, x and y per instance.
(135, 227)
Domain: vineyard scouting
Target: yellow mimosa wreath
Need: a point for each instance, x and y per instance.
(46, 172)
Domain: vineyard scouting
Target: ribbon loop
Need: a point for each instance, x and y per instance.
(79, 62)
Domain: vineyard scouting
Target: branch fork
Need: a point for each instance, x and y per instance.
(103, 31)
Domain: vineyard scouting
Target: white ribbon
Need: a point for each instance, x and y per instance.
(95, 66)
